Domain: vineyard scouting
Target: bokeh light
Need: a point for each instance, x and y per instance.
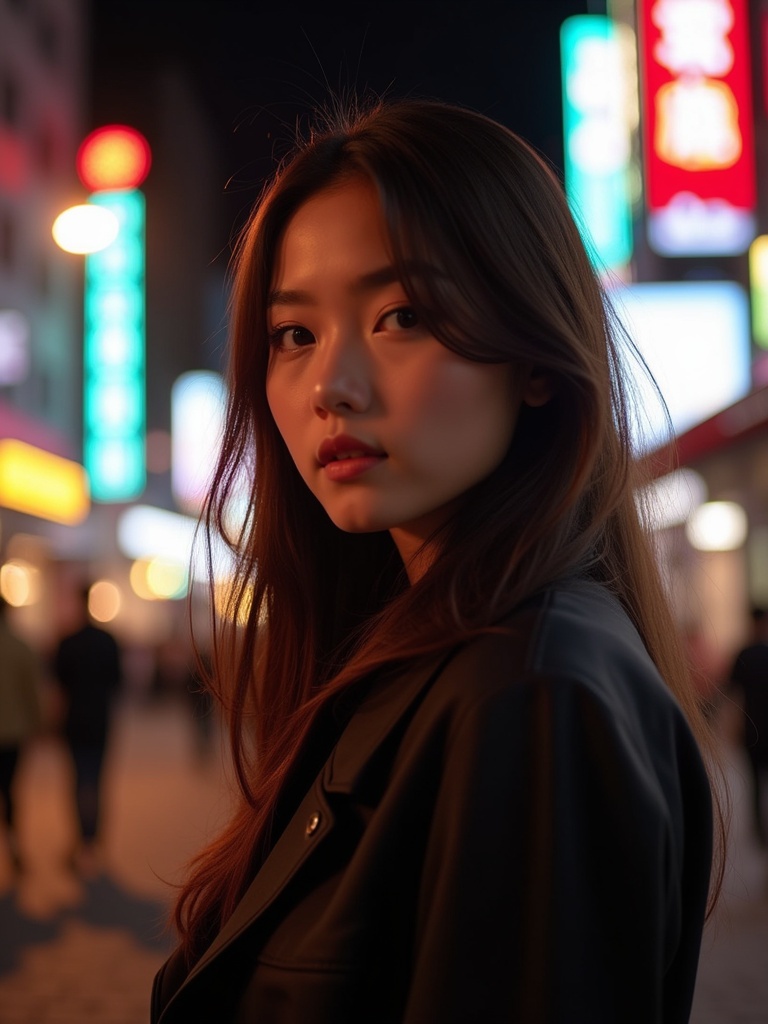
(113, 157)
(84, 229)
(19, 582)
(104, 600)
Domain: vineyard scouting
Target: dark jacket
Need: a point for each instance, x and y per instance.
(517, 831)
(87, 665)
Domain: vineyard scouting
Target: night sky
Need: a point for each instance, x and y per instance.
(258, 68)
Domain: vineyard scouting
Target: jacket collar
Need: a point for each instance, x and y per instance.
(384, 706)
(381, 710)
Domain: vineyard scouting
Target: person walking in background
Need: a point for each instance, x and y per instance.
(87, 666)
(750, 676)
(20, 718)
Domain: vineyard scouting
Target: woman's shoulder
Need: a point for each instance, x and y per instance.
(572, 635)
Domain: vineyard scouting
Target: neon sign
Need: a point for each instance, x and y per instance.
(114, 357)
(697, 136)
(113, 161)
(597, 127)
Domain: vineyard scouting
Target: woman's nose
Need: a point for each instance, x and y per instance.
(343, 382)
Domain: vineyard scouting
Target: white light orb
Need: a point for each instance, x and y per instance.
(717, 526)
(85, 229)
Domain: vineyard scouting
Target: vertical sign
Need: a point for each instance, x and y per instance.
(698, 142)
(597, 129)
(113, 161)
(114, 414)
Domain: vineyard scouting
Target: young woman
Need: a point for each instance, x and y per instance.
(468, 750)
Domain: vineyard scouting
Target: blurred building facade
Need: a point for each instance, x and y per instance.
(714, 546)
(57, 83)
(43, 113)
(49, 102)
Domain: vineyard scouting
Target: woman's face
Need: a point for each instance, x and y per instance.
(387, 427)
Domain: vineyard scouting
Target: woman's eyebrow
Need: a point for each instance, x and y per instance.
(366, 282)
(290, 297)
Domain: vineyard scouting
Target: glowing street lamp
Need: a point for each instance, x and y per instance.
(85, 228)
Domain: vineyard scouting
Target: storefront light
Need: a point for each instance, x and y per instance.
(104, 600)
(159, 579)
(717, 526)
(42, 484)
(19, 582)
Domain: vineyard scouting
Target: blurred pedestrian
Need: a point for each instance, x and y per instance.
(20, 718)
(87, 666)
(749, 675)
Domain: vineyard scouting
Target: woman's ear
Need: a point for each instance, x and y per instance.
(538, 388)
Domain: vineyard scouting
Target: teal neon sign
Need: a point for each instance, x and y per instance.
(597, 135)
(114, 356)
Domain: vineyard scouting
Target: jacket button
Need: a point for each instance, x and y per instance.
(313, 823)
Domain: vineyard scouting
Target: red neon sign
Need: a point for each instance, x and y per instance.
(698, 138)
(113, 157)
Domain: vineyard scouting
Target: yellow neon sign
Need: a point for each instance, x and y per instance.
(42, 484)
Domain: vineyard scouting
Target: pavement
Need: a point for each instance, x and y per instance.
(76, 949)
(84, 949)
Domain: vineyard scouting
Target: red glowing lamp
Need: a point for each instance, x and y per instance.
(113, 157)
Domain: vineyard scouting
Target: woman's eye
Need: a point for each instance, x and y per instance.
(401, 319)
(290, 337)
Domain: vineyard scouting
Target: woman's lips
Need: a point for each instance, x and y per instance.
(344, 458)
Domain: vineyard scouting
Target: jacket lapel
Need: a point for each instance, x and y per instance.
(369, 726)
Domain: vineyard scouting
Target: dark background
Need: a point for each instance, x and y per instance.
(259, 68)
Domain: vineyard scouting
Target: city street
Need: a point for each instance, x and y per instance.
(75, 951)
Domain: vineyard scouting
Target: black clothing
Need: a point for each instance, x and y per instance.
(750, 674)
(87, 665)
(519, 830)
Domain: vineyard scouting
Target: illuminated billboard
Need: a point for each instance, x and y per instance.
(698, 140)
(694, 337)
(42, 484)
(598, 109)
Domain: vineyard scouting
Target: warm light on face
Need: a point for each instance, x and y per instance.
(104, 600)
(429, 423)
(85, 229)
(113, 157)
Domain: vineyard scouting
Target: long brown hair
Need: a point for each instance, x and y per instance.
(312, 610)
